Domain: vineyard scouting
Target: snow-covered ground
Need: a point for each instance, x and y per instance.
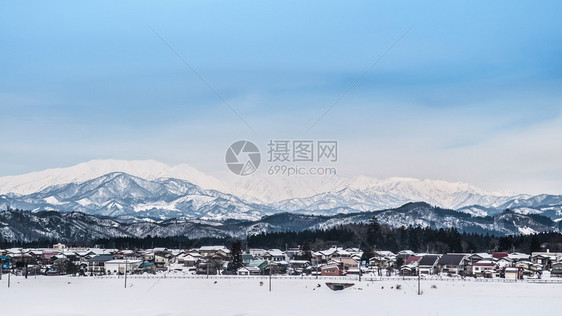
(221, 296)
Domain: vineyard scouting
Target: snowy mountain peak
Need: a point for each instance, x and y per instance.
(118, 187)
(146, 169)
(399, 183)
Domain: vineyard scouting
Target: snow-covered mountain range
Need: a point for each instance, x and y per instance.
(154, 191)
(72, 226)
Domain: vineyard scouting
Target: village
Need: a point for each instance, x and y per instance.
(219, 260)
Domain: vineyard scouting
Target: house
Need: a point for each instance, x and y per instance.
(337, 252)
(35, 255)
(483, 268)
(279, 267)
(293, 253)
(47, 256)
(85, 254)
(528, 268)
(324, 255)
(481, 256)
(248, 271)
(503, 262)
(331, 270)
(5, 262)
(60, 246)
(427, 264)
(72, 256)
(556, 270)
(126, 254)
(347, 262)
(275, 255)
(404, 254)
(543, 260)
(513, 273)
(257, 252)
(525, 265)
(121, 266)
(162, 261)
(96, 265)
(247, 258)
(410, 266)
(214, 251)
(413, 260)
(206, 267)
(146, 255)
(382, 259)
(546, 258)
(260, 264)
(516, 256)
(189, 259)
(147, 267)
(452, 264)
(497, 255)
(243, 271)
(408, 269)
(297, 267)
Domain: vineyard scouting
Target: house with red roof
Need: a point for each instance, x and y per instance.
(498, 255)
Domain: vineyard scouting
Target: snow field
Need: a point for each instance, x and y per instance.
(168, 296)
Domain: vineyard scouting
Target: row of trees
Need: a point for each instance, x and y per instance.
(376, 236)
(366, 236)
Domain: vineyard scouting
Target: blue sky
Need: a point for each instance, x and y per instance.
(472, 93)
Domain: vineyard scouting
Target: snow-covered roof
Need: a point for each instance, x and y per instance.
(406, 252)
(483, 255)
(385, 253)
(257, 251)
(329, 266)
(408, 266)
(212, 248)
(518, 256)
(255, 263)
(176, 266)
(275, 252)
(249, 269)
(484, 263)
(123, 261)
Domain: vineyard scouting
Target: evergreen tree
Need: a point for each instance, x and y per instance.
(70, 267)
(306, 251)
(236, 255)
(535, 244)
(399, 262)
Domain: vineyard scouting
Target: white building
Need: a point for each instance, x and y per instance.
(118, 266)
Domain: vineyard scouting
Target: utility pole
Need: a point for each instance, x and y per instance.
(126, 272)
(419, 289)
(25, 263)
(317, 270)
(270, 278)
(22, 263)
